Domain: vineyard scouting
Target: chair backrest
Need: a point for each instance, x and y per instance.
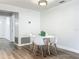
(46, 41)
(38, 40)
(53, 40)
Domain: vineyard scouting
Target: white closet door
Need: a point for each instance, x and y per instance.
(2, 27)
(5, 27)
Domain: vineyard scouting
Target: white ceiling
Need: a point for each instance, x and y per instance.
(32, 4)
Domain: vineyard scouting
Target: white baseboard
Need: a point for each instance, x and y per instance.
(69, 49)
(23, 44)
(62, 47)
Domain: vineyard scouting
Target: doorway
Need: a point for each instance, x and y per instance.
(5, 27)
(8, 25)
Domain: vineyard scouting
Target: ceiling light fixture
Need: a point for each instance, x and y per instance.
(42, 2)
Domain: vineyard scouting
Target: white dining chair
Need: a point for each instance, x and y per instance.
(53, 42)
(37, 41)
(32, 37)
(50, 41)
(46, 43)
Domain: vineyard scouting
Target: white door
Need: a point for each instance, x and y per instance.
(5, 27)
(1, 27)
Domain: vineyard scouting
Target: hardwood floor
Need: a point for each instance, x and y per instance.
(10, 51)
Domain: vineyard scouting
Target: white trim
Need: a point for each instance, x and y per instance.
(23, 44)
(16, 44)
(62, 47)
(69, 49)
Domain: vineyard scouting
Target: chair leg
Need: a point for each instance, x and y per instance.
(34, 49)
(48, 49)
(55, 49)
(31, 47)
(42, 50)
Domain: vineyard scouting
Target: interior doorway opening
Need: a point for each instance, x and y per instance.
(8, 25)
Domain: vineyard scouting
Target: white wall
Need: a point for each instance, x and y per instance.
(24, 16)
(63, 21)
(26, 28)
